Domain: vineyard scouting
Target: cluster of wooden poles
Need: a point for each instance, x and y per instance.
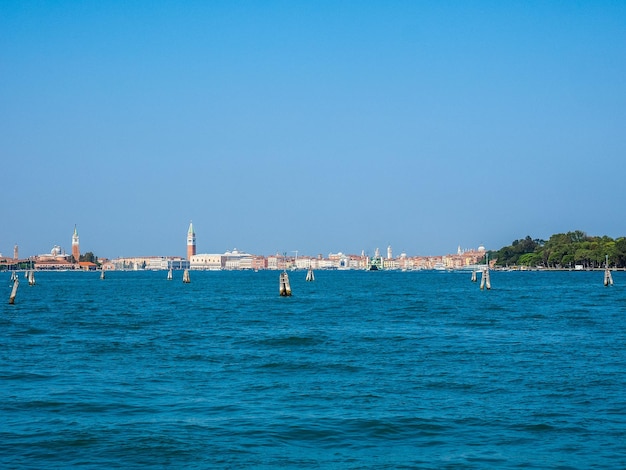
(30, 275)
(284, 288)
(485, 278)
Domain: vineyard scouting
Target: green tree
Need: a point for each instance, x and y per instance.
(89, 257)
(510, 255)
(584, 256)
(620, 252)
(530, 259)
(562, 250)
(568, 260)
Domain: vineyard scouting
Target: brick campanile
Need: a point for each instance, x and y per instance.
(75, 246)
(191, 241)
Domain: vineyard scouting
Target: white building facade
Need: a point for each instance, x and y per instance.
(207, 262)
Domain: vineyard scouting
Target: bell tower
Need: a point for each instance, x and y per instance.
(191, 241)
(75, 246)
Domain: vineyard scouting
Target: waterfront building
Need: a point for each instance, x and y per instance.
(164, 263)
(390, 264)
(237, 260)
(108, 265)
(272, 262)
(279, 262)
(315, 263)
(56, 259)
(191, 242)
(8, 263)
(343, 261)
(403, 262)
(328, 263)
(75, 246)
(357, 262)
(465, 260)
(87, 265)
(177, 263)
(139, 263)
(207, 262)
(229, 261)
(259, 262)
(303, 262)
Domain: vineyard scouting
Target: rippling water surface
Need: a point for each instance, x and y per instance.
(355, 370)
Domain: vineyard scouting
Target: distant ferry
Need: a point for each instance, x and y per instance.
(439, 267)
(376, 264)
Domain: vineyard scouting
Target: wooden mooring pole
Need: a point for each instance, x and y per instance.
(16, 283)
(485, 280)
(284, 288)
(608, 279)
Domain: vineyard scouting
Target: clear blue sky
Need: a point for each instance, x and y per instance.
(311, 126)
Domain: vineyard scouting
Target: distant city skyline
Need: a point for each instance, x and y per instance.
(317, 127)
(191, 248)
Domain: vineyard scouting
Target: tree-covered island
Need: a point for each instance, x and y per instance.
(563, 251)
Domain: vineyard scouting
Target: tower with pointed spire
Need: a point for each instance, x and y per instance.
(75, 246)
(15, 252)
(191, 241)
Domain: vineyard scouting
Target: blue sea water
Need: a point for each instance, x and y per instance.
(355, 370)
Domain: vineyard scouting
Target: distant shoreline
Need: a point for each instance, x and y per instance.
(453, 270)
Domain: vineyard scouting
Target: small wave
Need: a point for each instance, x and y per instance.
(26, 376)
(292, 340)
(539, 427)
